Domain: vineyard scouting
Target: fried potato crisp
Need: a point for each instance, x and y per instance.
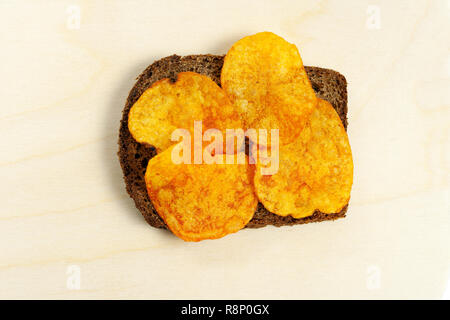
(263, 75)
(201, 201)
(167, 106)
(315, 172)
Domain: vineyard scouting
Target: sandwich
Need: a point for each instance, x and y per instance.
(260, 83)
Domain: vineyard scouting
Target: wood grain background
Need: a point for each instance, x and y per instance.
(67, 67)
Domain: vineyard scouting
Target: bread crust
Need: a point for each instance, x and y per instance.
(133, 156)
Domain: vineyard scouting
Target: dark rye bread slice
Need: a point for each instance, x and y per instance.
(328, 85)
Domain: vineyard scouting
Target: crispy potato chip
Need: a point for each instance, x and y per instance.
(263, 76)
(167, 106)
(201, 201)
(315, 172)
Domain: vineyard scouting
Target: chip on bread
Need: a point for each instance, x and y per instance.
(169, 105)
(263, 75)
(315, 171)
(201, 201)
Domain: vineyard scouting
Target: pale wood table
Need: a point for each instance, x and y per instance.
(67, 67)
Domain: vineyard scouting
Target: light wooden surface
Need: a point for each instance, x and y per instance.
(64, 210)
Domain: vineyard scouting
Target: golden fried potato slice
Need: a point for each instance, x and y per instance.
(201, 201)
(263, 75)
(315, 172)
(167, 106)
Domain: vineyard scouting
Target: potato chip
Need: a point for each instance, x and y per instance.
(263, 75)
(167, 106)
(315, 172)
(201, 201)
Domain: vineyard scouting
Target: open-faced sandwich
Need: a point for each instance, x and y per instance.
(213, 144)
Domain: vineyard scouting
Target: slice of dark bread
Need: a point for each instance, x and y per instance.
(328, 85)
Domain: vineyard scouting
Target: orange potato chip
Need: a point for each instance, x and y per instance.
(315, 172)
(201, 201)
(263, 75)
(167, 106)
